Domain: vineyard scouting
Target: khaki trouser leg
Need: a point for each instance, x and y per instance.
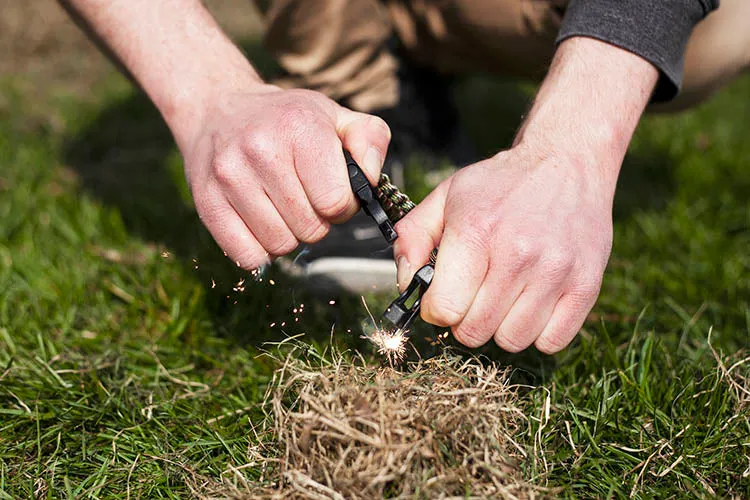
(502, 37)
(339, 46)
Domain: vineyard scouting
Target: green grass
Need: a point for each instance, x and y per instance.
(123, 372)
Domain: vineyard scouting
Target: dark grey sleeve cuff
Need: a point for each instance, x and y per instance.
(657, 30)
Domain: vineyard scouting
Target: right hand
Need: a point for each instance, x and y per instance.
(266, 169)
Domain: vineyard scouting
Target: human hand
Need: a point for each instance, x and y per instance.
(524, 240)
(525, 236)
(267, 171)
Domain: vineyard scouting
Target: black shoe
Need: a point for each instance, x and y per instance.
(354, 256)
(425, 122)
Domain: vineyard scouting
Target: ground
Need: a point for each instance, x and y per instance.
(130, 349)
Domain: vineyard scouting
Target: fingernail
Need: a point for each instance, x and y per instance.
(372, 161)
(403, 274)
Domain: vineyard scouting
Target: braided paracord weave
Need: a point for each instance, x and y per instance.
(396, 204)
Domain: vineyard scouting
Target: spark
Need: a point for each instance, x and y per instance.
(257, 273)
(240, 286)
(272, 282)
(213, 283)
(389, 343)
(331, 302)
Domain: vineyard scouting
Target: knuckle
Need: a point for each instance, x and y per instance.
(524, 251)
(551, 343)
(586, 292)
(405, 227)
(250, 259)
(224, 169)
(299, 120)
(312, 232)
(509, 341)
(441, 310)
(472, 334)
(557, 262)
(556, 340)
(258, 145)
(332, 203)
(481, 227)
(380, 127)
(283, 246)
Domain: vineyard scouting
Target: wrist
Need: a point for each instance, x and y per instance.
(176, 52)
(187, 106)
(589, 105)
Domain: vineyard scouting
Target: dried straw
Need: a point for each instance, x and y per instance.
(441, 428)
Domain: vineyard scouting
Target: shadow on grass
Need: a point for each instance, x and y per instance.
(124, 158)
(127, 159)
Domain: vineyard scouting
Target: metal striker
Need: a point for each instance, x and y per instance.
(386, 205)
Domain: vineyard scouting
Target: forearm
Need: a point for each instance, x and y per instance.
(590, 103)
(174, 50)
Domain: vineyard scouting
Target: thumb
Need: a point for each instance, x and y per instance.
(366, 137)
(419, 232)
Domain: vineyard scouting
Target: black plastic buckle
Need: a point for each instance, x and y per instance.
(398, 313)
(366, 196)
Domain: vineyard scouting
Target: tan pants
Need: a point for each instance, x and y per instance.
(339, 47)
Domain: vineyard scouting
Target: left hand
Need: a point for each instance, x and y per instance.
(524, 240)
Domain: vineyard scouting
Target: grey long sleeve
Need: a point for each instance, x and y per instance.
(657, 30)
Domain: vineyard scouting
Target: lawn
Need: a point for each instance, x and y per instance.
(130, 349)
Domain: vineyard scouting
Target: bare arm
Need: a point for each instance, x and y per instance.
(590, 104)
(525, 235)
(265, 165)
(174, 49)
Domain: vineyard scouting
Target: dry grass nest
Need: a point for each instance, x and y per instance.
(439, 428)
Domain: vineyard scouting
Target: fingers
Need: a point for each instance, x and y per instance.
(269, 171)
(490, 306)
(418, 233)
(232, 234)
(285, 191)
(567, 319)
(292, 204)
(366, 137)
(527, 318)
(271, 201)
(267, 225)
(460, 270)
(321, 169)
